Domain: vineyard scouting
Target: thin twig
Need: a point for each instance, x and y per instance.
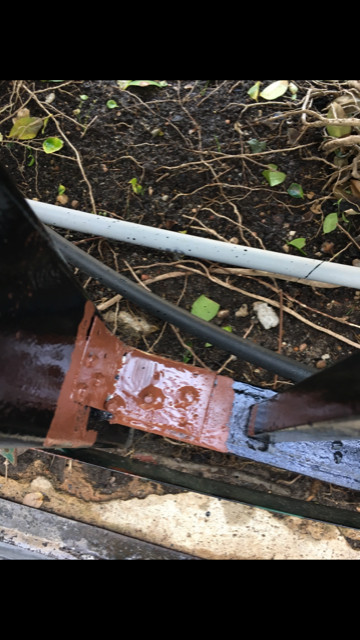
(188, 347)
(109, 303)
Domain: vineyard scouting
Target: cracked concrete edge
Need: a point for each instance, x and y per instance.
(218, 529)
(176, 526)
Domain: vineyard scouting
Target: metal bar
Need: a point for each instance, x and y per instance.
(323, 407)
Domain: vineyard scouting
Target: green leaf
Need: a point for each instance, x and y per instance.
(51, 145)
(31, 159)
(253, 92)
(295, 190)
(337, 130)
(298, 243)
(84, 96)
(275, 90)
(273, 176)
(256, 146)
(124, 84)
(293, 90)
(111, 104)
(61, 189)
(187, 355)
(330, 222)
(146, 83)
(205, 308)
(46, 120)
(9, 454)
(26, 128)
(136, 187)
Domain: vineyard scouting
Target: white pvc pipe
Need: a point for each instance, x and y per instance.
(194, 247)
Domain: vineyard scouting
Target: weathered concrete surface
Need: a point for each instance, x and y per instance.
(185, 521)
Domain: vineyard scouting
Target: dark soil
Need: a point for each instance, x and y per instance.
(188, 145)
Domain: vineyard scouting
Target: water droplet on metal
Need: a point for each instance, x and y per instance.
(81, 389)
(91, 359)
(98, 379)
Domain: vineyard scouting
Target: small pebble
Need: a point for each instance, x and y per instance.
(41, 484)
(356, 262)
(62, 199)
(321, 364)
(242, 312)
(266, 315)
(157, 132)
(34, 499)
(327, 247)
(223, 313)
(50, 98)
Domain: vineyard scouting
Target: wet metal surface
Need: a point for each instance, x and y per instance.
(59, 363)
(335, 460)
(41, 307)
(329, 396)
(155, 394)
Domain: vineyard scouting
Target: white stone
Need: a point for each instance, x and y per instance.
(266, 315)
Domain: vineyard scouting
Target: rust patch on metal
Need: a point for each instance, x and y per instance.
(138, 390)
(69, 425)
(98, 366)
(215, 431)
(171, 399)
